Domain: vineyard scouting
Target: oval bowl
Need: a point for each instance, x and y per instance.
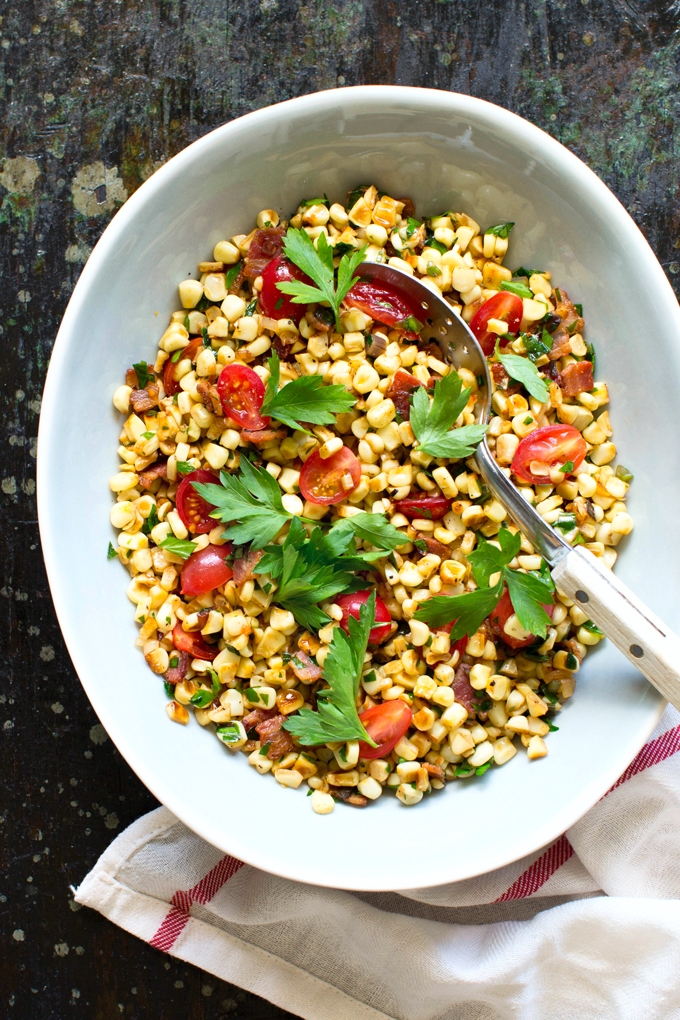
(445, 151)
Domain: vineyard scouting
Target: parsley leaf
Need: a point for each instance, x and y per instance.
(500, 230)
(201, 699)
(431, 421)
(536, 347)
(231, 274)
(142, 370)
(526, 272)
(526, 373)
(468, 610)
(373, 528)
(151, 521)
(306, 399)
(250, 504)
(528, 594)
(316, 201)
(179, 546)
(487, 559)
(184, 467)
(337, 718)
(111, 553)
(515, 287)
(317, 263)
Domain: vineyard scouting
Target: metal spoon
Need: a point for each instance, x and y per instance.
(642, 637)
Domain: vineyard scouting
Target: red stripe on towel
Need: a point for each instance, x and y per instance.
(176, 919)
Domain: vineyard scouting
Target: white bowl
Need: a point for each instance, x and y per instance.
(446, 151)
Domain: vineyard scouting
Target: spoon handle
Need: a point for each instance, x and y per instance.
(642, 637)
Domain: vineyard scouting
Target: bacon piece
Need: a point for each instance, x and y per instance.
(144, 400)
(308, 672)
(267, 243)
(433, 546)
(409, 208)
(243, 567)
(175, 674)
(262, 435)
(254, 268)
(431, 349)
(571, 323)
(284, 348)
(402, 386)
(348, 796)
(156, 470)
(270, 732)
(258, 715)
(131, 378)
(436, 771)
(238, 280)
(462, 688)
(576, 378)
(560, 347)
(210, 397)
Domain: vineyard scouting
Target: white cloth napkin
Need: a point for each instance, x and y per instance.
(587, 928)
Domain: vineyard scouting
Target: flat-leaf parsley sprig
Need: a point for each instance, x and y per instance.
(528, 592)
(431, 421)
(317, 263)
(307, 399)
(337, 718)
(525, 372)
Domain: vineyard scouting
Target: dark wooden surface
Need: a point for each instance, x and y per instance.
(96, 94)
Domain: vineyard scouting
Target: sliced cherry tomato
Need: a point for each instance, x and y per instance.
(242, 391)
(500, 616)
(385, 724)
(192, 508)
(461, 644)
(321, 481)
(351, 604)
(553, 444)
(430, 508)
(206, 570)
(273, 302)
(387, 305)
(170, 384)
(504, 306)
(193, 643)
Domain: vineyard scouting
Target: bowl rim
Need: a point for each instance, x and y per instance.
(522, 133)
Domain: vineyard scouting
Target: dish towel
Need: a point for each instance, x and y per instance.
(588, 927)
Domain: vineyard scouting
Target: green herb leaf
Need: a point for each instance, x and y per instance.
(201, 699)
(483, 768)
(250, 308)
(373, 528)
(179, 546)
(232, 273)
(111, 553)
(468, 610)
(623, 473)
(515, 287)
(526, 373)
(487, 559)
(411, 227)
(579, 310)
(252, 501)
(151, 521)
(536, 347)
(433, 270)
(565, 523)
(437, 245)
(593, 628)
(169, 689)
(317, 263)
(142, 370)
(431, 421)
(306, 399)
(528, 594)
(184, 467)
(336, 718)
(526, 272)
(500, 230)
(316, 201)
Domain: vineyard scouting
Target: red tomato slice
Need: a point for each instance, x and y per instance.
(206, 570)
(385, 724)
(321, 480)
(170, 384)
(273, 302)
(386, 305)
(351, 604)
(504, 306)
(193, 510)
(431, 508)
(242, 391)
(553, 444)
(193, 643)
(502, 613)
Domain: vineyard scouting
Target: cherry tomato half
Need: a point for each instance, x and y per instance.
(170, 384)
(553, 444)
(385, 304)
(430, 508)
(500, 616)
(461, 644)
(273, 302)
(385, 724)
(193, 510)
(242, 391)
(321, 481)
(206, 569)
(193, 643)
(504, 306)
(351, 604)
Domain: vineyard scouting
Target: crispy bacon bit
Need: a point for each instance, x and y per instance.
(177, 673)
(571, 323)
(401, 388)
(254, 268)
(284, 348)
(270, 732)
(243, 567)
(210, 396)
(409, 208)
(431, 349)
(462, 688)
(560, 347)
(262, 435)
(131, 378)
(308, 671)
(258, 715)
(144, 400)
(238, 280)
(576, 378)
(267, 243)
(433, 546)
(348, 796)
(154, 471)
(435, 771)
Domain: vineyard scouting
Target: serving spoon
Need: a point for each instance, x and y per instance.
(637, 632)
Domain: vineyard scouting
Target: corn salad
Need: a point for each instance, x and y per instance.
(474, 703)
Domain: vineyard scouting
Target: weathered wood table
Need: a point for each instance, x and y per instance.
(96, 96)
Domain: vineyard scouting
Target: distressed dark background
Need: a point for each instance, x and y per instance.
(95, 96)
